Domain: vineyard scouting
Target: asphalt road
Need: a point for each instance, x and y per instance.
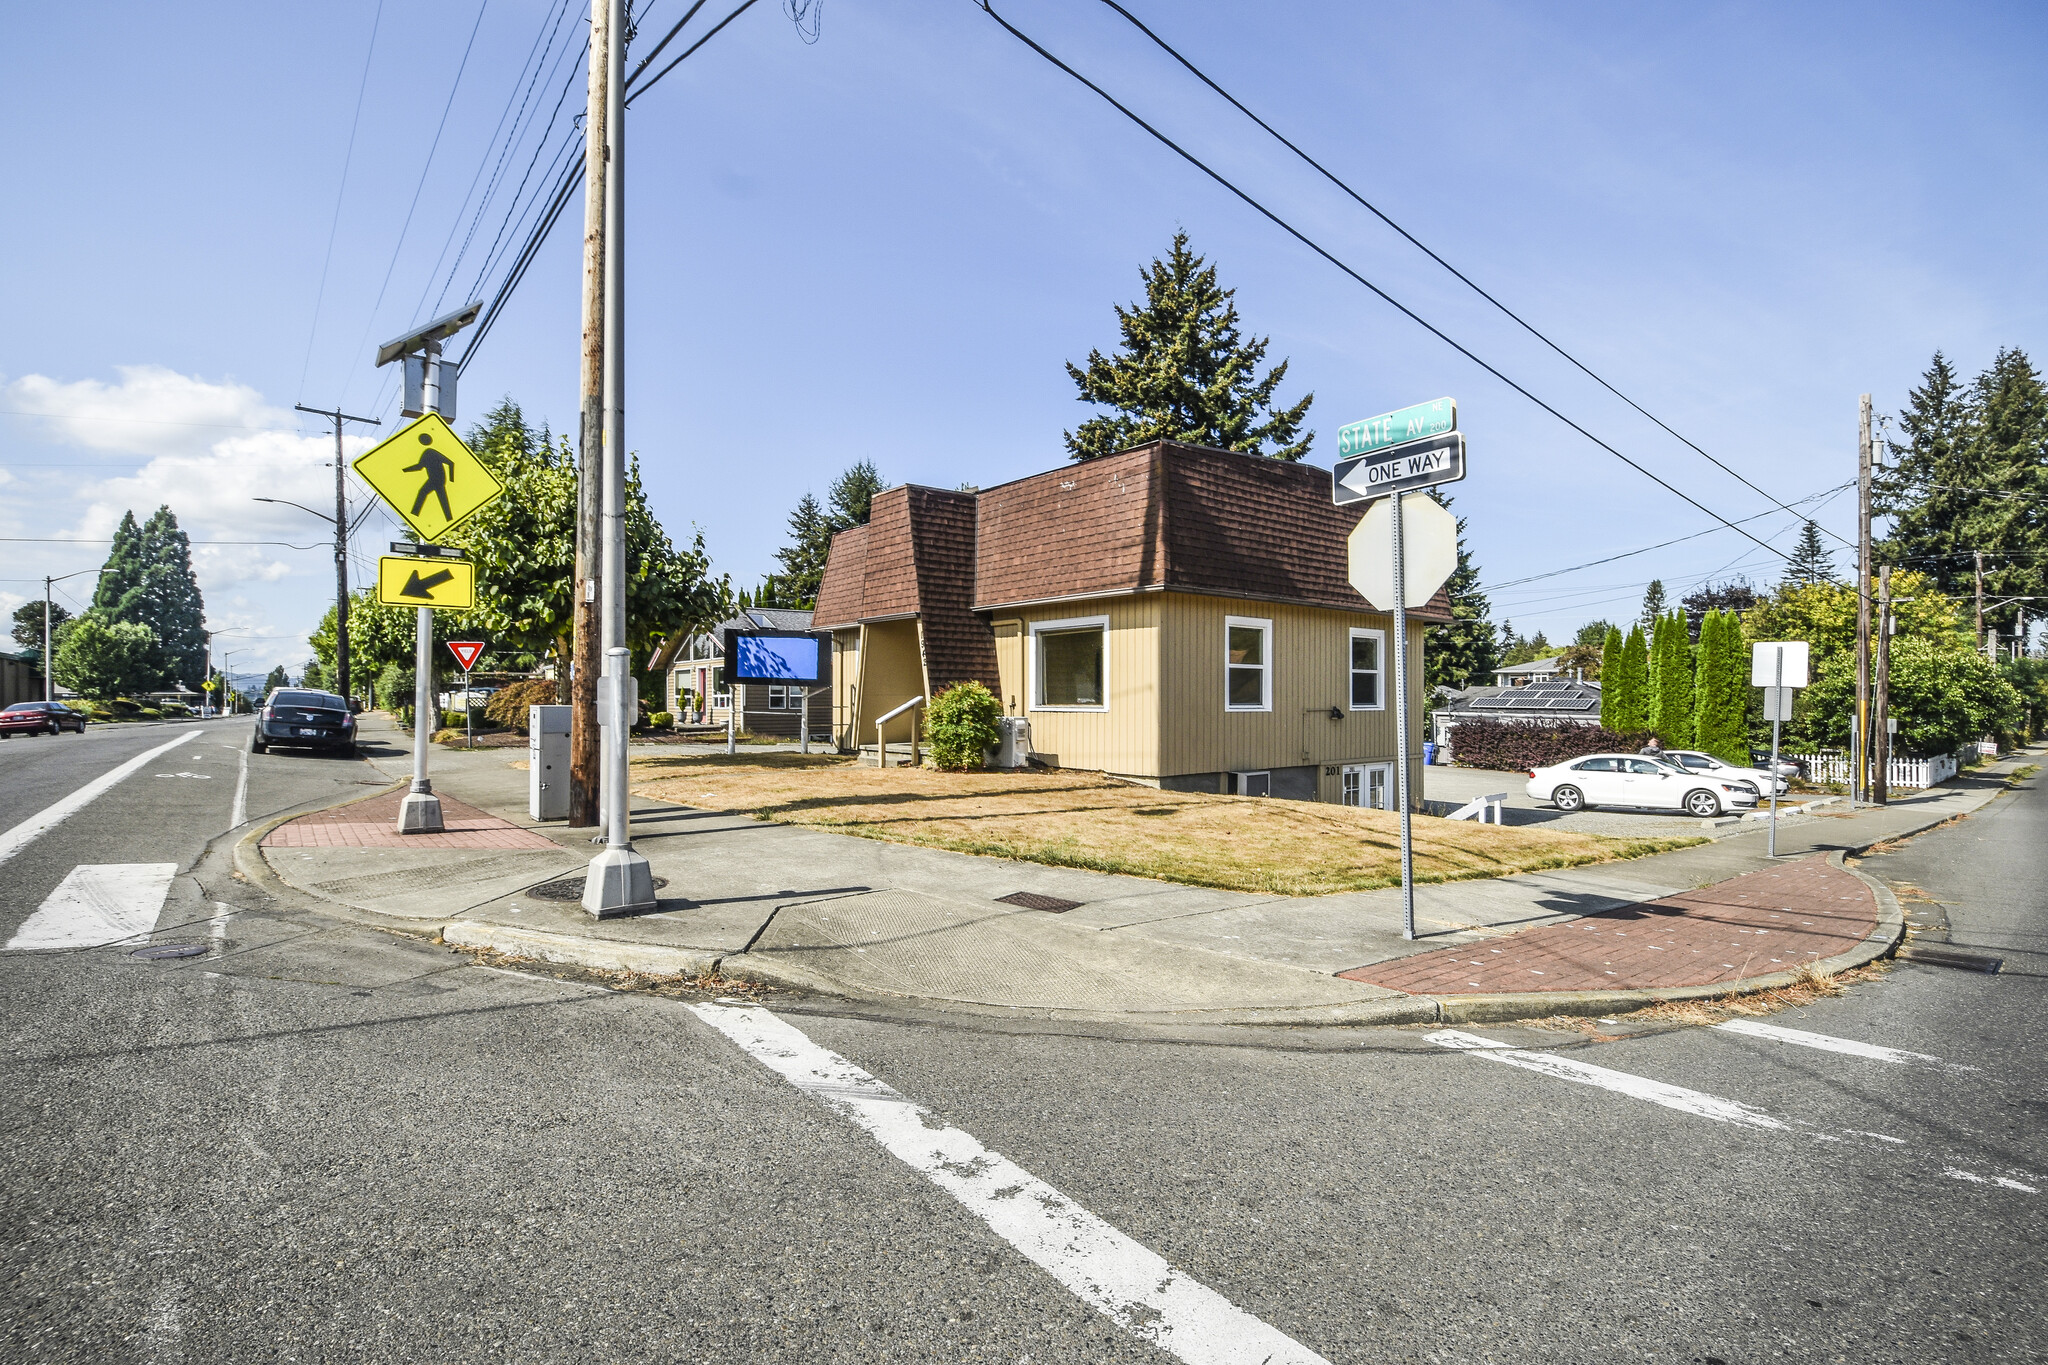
(318, 1142)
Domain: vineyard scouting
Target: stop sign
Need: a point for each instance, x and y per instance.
(1429, 551)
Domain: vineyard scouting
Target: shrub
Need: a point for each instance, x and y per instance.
(661, 720)
(1518, 745)
(960, 724)
(508, 704)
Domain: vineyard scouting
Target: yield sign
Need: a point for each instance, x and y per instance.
(431, 479)
(466, 652)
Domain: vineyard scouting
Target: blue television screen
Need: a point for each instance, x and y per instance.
(776, 658)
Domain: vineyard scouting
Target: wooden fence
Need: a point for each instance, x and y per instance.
(1904, 773)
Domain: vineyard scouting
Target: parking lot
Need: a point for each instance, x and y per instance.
(1459, 785)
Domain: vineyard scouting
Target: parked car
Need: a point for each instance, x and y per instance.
(1788, 766)
(1706, 764)
(39, 718)
(1632, 780)
(303, 719)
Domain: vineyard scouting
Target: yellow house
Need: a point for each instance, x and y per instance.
(1175, 615)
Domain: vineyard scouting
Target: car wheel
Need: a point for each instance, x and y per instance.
(1568, 799)
(257, 746)
(1703, 803)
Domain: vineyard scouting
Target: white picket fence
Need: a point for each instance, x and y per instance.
(1901, 773)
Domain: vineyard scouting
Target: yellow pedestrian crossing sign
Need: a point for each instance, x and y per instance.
(403, 581)
(430, 478)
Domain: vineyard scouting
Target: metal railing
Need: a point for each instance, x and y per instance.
(882, 745)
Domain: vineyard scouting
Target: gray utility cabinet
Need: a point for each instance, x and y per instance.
(547, 753)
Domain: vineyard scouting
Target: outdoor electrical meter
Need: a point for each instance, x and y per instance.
(547, 753)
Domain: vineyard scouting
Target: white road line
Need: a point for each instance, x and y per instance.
(239, 816)
(1636, 1087)
(98, 904)
(25, 833)
(1125, 1282)
(1953, 1174)
(1749, 1028)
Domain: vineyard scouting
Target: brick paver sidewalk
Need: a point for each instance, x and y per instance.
(1760, 922)
(374, 824)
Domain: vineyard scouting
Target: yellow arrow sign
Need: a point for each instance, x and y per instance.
(403, 581)
(430, 478)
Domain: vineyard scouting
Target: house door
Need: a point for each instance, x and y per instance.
(1370, 785)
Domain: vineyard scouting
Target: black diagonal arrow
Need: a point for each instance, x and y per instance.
(424, 587)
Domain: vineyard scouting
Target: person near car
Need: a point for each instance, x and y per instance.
(1654, 749)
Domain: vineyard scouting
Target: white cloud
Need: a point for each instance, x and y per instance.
(153, 410)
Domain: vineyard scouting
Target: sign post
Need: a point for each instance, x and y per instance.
(1779, 667)
(466, 652)
(1393, 455)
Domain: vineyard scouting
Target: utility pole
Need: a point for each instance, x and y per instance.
(340, 545)
(587, 628)
(620, 881)
(1980, 599)
(1881, 713)
(1859, 741)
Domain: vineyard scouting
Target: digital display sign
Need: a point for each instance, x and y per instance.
(770, 656)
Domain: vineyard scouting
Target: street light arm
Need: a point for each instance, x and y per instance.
(283, 502)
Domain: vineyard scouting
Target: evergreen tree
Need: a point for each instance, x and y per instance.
(1721, 693)
(1925, 489)
(1185, 373)
(1612, 671)
(852, 494)
(1593, 633)
(1810, 562)
(803, 559)
(278, 678)
(1632, 686)
(1653, 603)
(121, 576)
(1736, 595)
(1463, 653)
(1671, 686)
(149, 581)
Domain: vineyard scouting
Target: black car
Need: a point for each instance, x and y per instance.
(300, 718)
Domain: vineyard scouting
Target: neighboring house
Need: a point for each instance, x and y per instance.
(1548, 703)
(697, 692)
(1175, 615)
(1521, 675)
(20, 680)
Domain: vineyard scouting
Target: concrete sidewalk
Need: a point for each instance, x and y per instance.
(811, 910)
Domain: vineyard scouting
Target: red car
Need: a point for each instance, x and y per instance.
(39, 718)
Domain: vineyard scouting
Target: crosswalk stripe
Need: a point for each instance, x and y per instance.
(1124, 1281)
(97, 904)
(1749, 1028)
(48, 818)
(1585, 1073)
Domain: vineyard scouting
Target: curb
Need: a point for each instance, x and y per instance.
(602, 954)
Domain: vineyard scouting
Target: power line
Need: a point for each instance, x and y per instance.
(1418, 244)
(1393, 302)
(651, 81)
(347, 159)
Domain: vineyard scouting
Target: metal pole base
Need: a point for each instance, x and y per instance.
(420, 814)
(619, 883)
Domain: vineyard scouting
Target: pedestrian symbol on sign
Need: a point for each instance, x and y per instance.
(431, 479)
(438, 468)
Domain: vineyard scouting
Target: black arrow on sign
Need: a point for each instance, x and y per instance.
(424, 587)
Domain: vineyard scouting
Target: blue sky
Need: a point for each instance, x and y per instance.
(884, 245)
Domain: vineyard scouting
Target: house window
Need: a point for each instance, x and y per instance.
(1247, 664)
(1368, 650)
(778, 697)
(1071, 664)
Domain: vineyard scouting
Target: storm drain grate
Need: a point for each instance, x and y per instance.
(571, 889)
(1031, 900)
(158, 951)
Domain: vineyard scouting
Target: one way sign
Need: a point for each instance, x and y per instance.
(1399, 469)
(406, 582)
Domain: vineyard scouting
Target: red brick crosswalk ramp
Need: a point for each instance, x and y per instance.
(1764, 921)
(374, 824)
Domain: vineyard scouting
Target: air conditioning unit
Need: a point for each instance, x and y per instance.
(1251, 784)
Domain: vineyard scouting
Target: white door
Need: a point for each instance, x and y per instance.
(1598, 781)
(1652, 784)
(1370, 785)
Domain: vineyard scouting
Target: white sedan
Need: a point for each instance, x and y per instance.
(1706, 765)
(1632, 780)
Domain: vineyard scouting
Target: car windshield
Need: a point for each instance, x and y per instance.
(326, 700)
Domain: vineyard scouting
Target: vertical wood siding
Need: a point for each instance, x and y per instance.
(891, 673)
(1123, 739)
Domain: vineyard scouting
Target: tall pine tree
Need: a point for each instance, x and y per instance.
(811, 528)
(1185, 373)
(1653, 603)
(1463, 653)
(149, 580)
(1810, 562)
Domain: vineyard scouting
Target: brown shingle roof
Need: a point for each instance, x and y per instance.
(914, 556)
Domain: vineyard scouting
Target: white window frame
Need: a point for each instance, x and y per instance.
(1264, 625)
(1036, 661)
(1366, 772)
(1350, 673)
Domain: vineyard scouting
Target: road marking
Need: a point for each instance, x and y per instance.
(239, 816)
(25, 833)
(98, 904)
(1636, 1087)
(1124, 1281)
(1953, 1174)
(1824, 1042)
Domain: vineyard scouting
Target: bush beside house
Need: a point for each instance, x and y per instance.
(1519, 745)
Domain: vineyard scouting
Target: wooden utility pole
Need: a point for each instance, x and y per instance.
(340, 547)
(1881, 713)
(1980, 600)
(1859, 749)
(589, 625)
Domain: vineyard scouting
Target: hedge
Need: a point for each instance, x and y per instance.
(1519, 745)
(507, 705)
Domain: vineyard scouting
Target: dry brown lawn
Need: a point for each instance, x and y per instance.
(1072, 819)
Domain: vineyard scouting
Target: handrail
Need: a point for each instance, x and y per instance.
(882, 745)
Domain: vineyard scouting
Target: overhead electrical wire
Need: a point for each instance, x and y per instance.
(1419, 245)
(1389, 299)
(347, 159)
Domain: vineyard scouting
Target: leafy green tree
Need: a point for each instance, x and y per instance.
(1524, 650)
(1461, 653)
(28, 627)
(1810, 561)
(1721, 690)
(103, 658)
(1735, 595)
(1185, 373)
(314, 675)
(1671, 682)
(278, 678)
(1631, 684)
(1613, 673)
(1593, 633)
(1944, 695)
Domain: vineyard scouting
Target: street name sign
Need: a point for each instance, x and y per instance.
(429, 477)
(1429, 551)
(1399, 469)
(1399, 427)
(443, 583)
(466, 652)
